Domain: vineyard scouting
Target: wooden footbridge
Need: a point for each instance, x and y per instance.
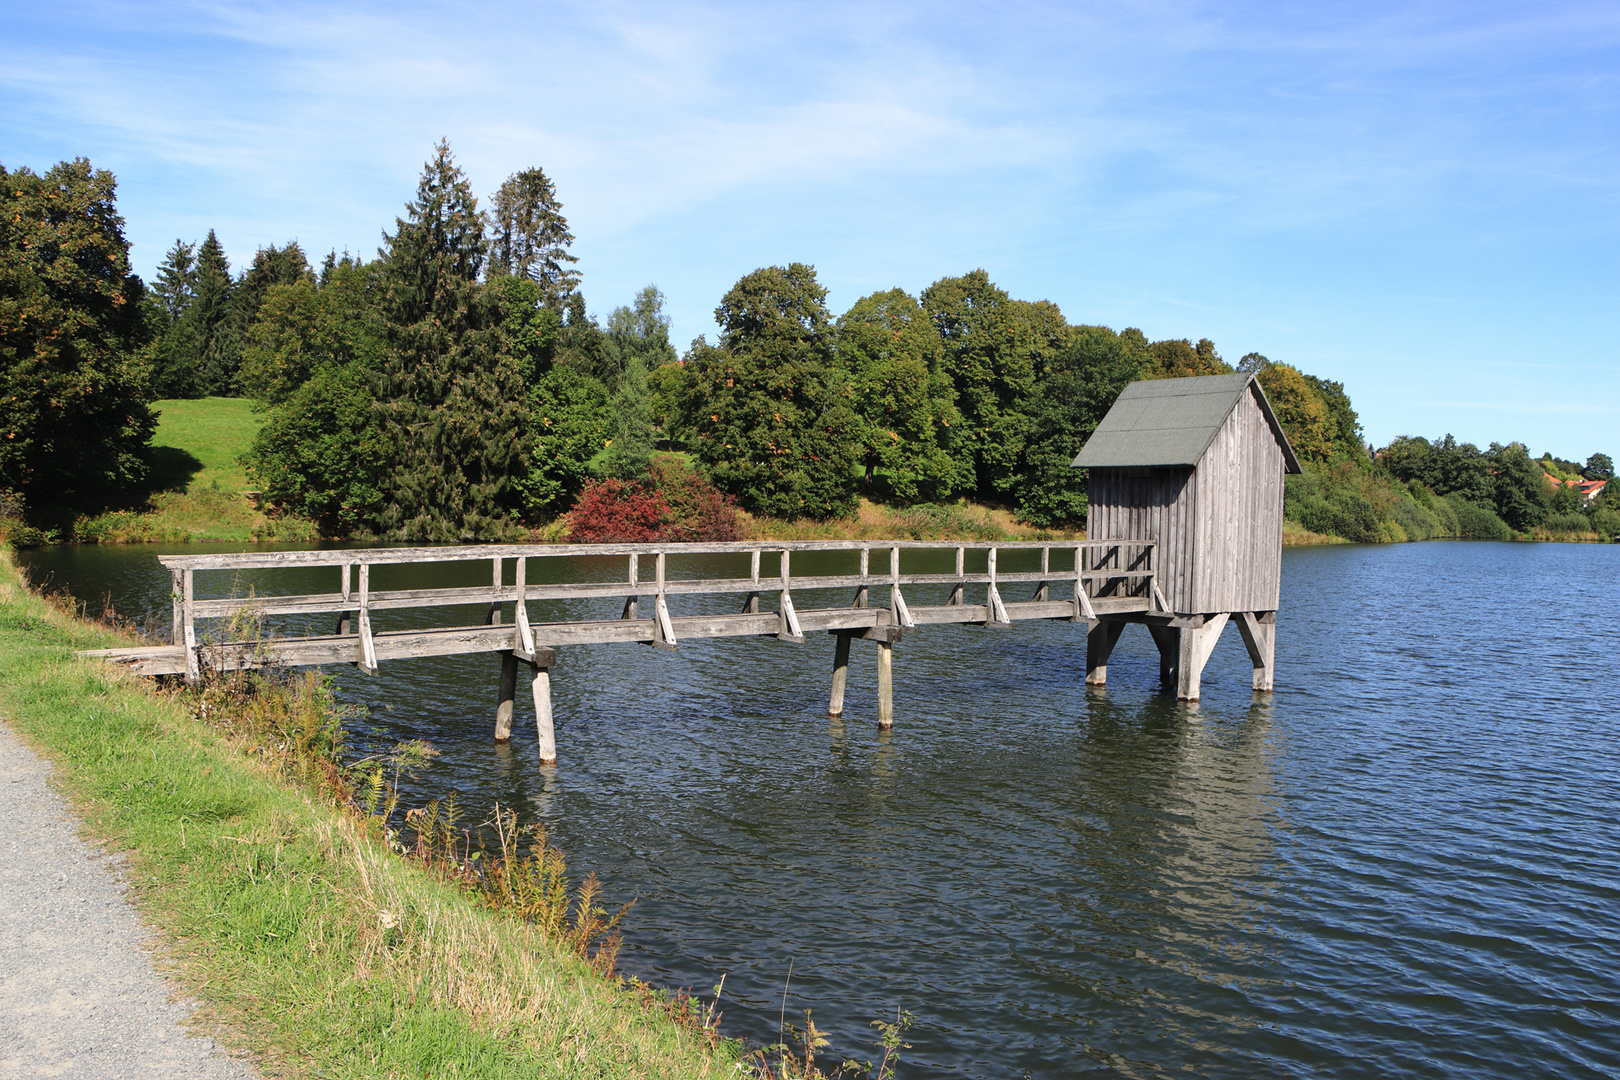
(1098, 583)
(1185, 520)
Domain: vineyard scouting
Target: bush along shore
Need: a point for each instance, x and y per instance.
(320, 937)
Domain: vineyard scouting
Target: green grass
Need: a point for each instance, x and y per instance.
(308, 941)
(196, 488)
(199, 444)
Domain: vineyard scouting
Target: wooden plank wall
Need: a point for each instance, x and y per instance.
(1218, 527)
(1155, 505)
(1237, 542)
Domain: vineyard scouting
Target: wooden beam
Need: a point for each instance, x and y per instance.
(368, 648)
(1260, 638)
(508, 691)
(1168, 639)
(1100, 642)
(632, 602)
(543, 723)
(840, 675)
(885, 685)
(1197, 643)
(188, 626)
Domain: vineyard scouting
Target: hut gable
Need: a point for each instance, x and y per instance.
(1196, 465)
(1157, 423)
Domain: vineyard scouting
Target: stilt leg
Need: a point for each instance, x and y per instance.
(835, 703)
(1168, 639)
(1259, 630)
(503, 711)
(885, 685)
(542, 715)
(1100, 641)
(1196, 645)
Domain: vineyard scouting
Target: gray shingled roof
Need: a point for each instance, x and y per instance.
(1161, 422)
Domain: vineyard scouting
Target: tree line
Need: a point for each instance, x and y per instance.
(456, 387)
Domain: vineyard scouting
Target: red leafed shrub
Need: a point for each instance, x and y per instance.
(671, 503)
(698, 511)
(617, 511)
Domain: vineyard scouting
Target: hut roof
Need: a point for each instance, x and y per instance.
(1162, 422)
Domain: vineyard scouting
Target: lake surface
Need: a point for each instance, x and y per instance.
(1403, 863)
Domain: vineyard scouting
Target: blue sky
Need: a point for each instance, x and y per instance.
(1421, 201)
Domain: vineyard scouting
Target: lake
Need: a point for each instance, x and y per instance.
(1403, 863)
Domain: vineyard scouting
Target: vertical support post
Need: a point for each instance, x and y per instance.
(897, 602)
(177, 598)
(522, 636)
(345, 623)
(955, 599)
(494, 616)
(663, 627)
(1259, 630)
(503, 709)
(840, 676)
(543, 723)
(368, 648)
(860, 590)
(1046, 568)
(1100, 642)
(188, 624)
(632, 603)
(788, 626)
(885, 685)
(1196, 645)
(1168, 639)
(1082, 600)
(995, 610)
(752, 607)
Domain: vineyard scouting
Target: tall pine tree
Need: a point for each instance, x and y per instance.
(451, 399)
(219, 342)
(529, 236)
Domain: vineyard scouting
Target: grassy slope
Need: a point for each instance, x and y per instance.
(197, 482)
(305, 939)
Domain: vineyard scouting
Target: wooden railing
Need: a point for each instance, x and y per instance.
(1112, 575)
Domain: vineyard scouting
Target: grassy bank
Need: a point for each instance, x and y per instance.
(197, 486)
(308, 941)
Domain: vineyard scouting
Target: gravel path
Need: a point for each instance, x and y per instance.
(78, 994)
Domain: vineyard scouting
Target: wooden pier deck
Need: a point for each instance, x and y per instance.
(1085, 583)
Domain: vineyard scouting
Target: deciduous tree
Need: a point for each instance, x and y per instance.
(768, 420)
(73, 415)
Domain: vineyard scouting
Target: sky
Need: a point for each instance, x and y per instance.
(1421, 201)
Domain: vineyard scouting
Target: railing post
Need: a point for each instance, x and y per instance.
(860, 590)
(751, 606)
(522, 635)
(494, 616)
(955, 599)
(345, 617)
(897, 603)
(663, 627)
(177, 597)
(368, 648)
(632, 603)
(788, 619)
(1046, 568)
(995, 610)
(188, 625)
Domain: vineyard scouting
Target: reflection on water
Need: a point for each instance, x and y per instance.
(1404, 863)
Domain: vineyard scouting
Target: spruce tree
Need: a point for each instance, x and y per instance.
(529, 236)
(219, 344)
(451, 400)
(174, 356)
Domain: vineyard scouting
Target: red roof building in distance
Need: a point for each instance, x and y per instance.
(1589, 489)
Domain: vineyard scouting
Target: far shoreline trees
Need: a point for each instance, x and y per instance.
(456, 387)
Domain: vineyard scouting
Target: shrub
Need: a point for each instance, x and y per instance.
(1606, 523)
(671, 503)
(617, 511)
(1568, 523)
(1475, 522)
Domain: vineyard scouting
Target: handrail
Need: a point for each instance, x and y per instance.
(364, 601)
(260, 560)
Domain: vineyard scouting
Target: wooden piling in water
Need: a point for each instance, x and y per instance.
(508, 691)
(840, 676)
(885, 684)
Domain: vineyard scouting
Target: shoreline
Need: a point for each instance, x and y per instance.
(310, 944)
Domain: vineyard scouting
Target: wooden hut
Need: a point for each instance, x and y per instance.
(1196, 466)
